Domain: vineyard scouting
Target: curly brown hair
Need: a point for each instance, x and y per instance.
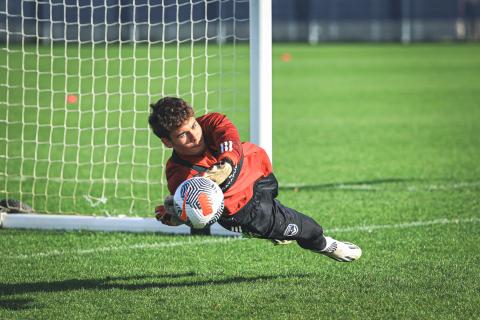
(168, 114)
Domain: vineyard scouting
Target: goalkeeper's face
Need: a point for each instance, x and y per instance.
(187, 139)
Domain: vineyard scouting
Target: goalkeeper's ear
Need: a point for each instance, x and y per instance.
(167, 142)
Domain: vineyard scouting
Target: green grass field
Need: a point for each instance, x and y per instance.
(379, 143)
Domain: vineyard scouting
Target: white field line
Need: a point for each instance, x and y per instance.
(200, 241)
(405, 225)
(400, 184)
(332, 186)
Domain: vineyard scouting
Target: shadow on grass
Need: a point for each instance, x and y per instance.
(122, 283)
(366, 185)
(16, 304)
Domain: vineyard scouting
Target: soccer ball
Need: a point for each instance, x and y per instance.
(198, 202)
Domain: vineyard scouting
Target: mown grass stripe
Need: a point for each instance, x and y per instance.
(190, 242)
(202, 241)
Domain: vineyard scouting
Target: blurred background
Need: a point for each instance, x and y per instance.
(310, 21)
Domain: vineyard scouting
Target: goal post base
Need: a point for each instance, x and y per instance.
(93, 223)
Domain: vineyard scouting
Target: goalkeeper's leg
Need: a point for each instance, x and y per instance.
(309, 234)
(265, 217)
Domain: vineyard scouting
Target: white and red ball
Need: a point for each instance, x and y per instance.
(198, 202)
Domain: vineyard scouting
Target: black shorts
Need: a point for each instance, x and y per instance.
(265, 217)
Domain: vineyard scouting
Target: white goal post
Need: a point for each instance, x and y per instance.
(76, 80)
(261, 74)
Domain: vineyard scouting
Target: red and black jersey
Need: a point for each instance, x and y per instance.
(223, 142)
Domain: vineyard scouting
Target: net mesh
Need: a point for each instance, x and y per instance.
(76, 81)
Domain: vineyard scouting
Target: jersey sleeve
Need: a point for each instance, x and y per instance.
(176, 174)
(223, 137)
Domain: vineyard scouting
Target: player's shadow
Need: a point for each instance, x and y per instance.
(365, 185)
(16, 304)
(124, 283)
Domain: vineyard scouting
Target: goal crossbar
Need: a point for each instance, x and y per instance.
(93, 223)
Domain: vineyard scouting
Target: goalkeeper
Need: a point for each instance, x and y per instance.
(210, 146)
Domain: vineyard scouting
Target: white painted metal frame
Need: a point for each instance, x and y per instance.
(91, 223)
(261, 74)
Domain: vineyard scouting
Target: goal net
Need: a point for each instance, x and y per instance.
(76, 81)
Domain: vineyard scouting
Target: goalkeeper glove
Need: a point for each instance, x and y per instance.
(219, 172)
(166, 214)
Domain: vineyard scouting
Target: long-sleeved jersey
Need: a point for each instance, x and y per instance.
(223, 142)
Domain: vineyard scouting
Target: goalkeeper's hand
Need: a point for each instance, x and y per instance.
(219, 172)
(166, 214)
